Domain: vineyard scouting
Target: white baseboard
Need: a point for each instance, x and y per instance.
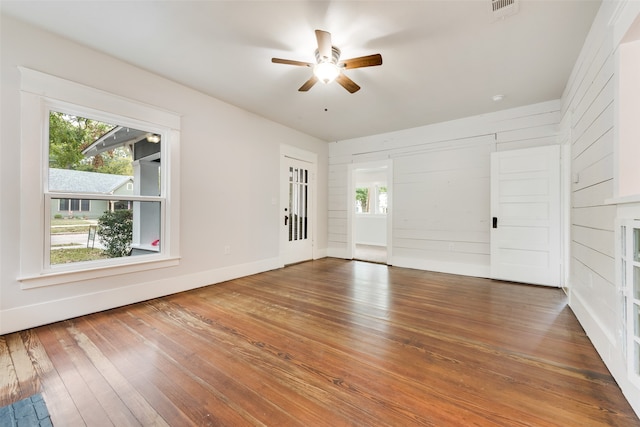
(427, 265)
(337, 253)
(605, 344)
(320, 253)
(442, 266)
(29, 316)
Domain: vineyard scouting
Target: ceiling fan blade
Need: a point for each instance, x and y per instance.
(308, 84)
(362, 61)
(347, 83)
(324, 43)
(291, 62)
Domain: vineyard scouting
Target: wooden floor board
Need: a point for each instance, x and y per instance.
(9, 385)
(152, 380)
(328, 342)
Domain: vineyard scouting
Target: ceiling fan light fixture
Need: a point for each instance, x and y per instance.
(326, 72)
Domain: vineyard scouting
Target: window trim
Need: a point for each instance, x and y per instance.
(41, 93)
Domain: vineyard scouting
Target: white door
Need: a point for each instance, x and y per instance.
(297, 207)
(525, 211)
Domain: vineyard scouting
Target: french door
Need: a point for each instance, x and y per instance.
(297, 211)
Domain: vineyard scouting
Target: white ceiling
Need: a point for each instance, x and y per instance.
(442, 60)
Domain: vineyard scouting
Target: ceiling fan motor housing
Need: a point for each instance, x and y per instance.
(335, 56)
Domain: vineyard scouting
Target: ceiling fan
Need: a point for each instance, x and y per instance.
(328, 66)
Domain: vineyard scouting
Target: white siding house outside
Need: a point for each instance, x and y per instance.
(86, 183)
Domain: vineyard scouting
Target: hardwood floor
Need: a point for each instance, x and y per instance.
(323, 343)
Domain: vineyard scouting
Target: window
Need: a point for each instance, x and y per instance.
(362, 200)
(371, 200)
(74, 205)
(89, 154)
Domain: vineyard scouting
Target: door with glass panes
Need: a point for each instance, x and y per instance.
(296, 218)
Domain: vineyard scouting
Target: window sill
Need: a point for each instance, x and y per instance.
(50, 278)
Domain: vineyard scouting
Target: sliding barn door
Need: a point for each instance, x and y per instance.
(525, 210)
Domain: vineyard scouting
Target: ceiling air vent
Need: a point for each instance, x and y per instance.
(504, 8)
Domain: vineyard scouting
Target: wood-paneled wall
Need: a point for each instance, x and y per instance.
(589, 119)
(441, 185)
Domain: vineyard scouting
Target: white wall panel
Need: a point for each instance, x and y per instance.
(442, 184)
(602, 124)
(599, 217)
(600, 149)
(590, 102)
(597, 262)
(598, 240)
(593, 195)
(589, 285)
(596, 173)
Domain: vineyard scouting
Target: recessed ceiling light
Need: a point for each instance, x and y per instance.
(498, 98)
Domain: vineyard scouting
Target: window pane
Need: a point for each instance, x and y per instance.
(92, 157)
(362, 200)
(636, 245)
(115, 233)
(382, 200)
(88, 156)
(636, 282)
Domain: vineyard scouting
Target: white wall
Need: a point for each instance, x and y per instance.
(371, 229)
(441, 183)
(589, 117)
(217, 141)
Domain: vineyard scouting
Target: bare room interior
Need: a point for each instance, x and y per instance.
(366, 213)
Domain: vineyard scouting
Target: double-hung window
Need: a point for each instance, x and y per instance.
(101, 174)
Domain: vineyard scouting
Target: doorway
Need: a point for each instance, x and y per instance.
(370, 212)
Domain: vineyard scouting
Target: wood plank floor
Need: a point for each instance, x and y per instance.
(323, 343)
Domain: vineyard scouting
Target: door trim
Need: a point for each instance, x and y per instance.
(353, 167)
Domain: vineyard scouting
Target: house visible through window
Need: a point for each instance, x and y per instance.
(115, 159)
(103, 177)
